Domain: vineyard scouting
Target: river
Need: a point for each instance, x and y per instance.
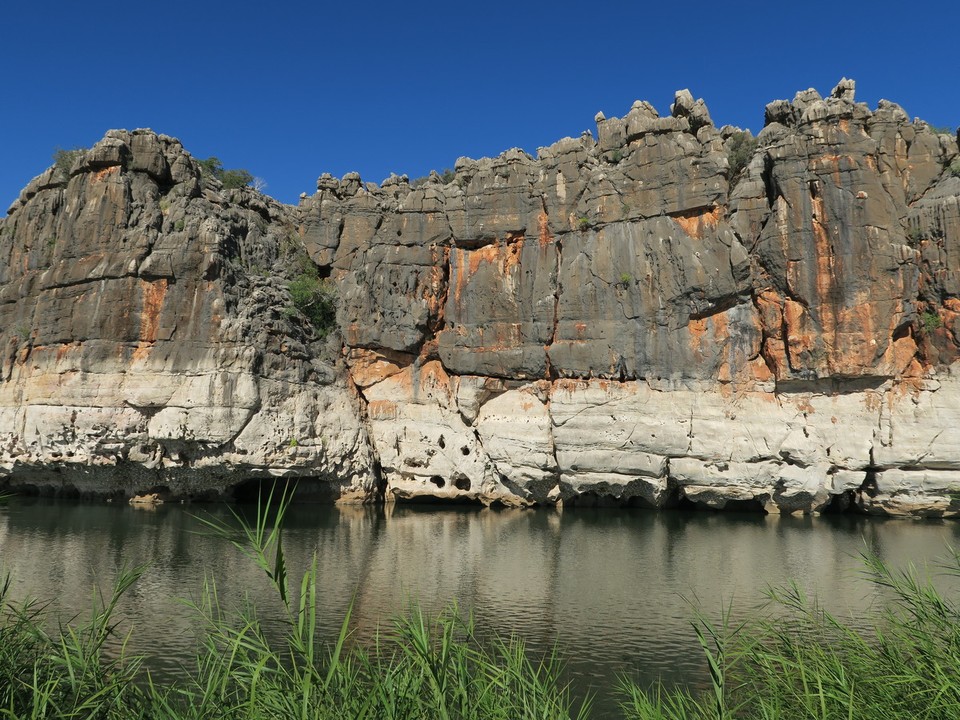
(613, 588)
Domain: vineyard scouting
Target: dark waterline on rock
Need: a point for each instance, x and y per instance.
(612, 588)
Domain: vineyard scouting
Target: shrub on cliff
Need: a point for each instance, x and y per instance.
(314, 297)
(446, 177)
(64, 159)
(231, 179)
(740, 149)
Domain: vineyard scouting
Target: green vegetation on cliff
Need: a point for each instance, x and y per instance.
(231, 179)
(64, 159)
(739, 151)
(314, 297)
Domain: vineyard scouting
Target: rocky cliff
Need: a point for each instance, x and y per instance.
(666, 313)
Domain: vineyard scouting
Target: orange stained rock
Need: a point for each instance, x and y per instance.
(770, 305)
(505, 256)
(872, 401)
(353, 333)
(826, 268)
(64, 348)
(804, 406)
(403, 380)
(852, 342)
(569, 385)
(775, 355)
(540, 387)
(142, 351)
(799, 334)
(105, 173)
(723, 373)
(697, 329)
(435, 293)
(721, 326)
(832, 163)
(432, 374)
(382, 410)
(915, 369)
(543, 229)
(759, 369)
(152, 295)
(429, 347)
(912, 386)
(899, 356)
(696, 223)
(368, 367)
(948, 344)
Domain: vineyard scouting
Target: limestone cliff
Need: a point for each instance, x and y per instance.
(625, 318)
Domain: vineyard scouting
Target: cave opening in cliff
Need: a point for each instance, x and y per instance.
(751, 505)
(257, 489)
(844, 503)
(607, 500)
(304, 489)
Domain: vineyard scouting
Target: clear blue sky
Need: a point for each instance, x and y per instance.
(289, 90)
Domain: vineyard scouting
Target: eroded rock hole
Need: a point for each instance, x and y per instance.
(752, 505)
(441, 442)
(845, 502)
(257, 490)
(462, 483)
(437, 480)
(464, 450)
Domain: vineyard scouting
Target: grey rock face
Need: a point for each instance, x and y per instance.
(145, 343)
(621, 319)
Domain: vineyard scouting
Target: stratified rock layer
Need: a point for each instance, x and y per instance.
(625, 319)
(145, 343)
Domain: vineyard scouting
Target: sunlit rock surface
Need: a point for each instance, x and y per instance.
(626, 318)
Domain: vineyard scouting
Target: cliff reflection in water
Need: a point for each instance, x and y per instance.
(607, 585)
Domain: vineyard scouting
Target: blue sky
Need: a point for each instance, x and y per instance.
(289, 90)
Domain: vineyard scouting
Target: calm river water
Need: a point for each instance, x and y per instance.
(611, 587)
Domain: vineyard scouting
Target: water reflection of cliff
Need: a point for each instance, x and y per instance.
(607, 585)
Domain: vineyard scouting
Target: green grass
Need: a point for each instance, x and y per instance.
(794, 661)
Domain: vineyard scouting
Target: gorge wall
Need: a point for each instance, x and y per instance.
(625, 318)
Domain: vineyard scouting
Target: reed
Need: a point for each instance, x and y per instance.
(802, 662)
(794, 662)
(419, 667)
